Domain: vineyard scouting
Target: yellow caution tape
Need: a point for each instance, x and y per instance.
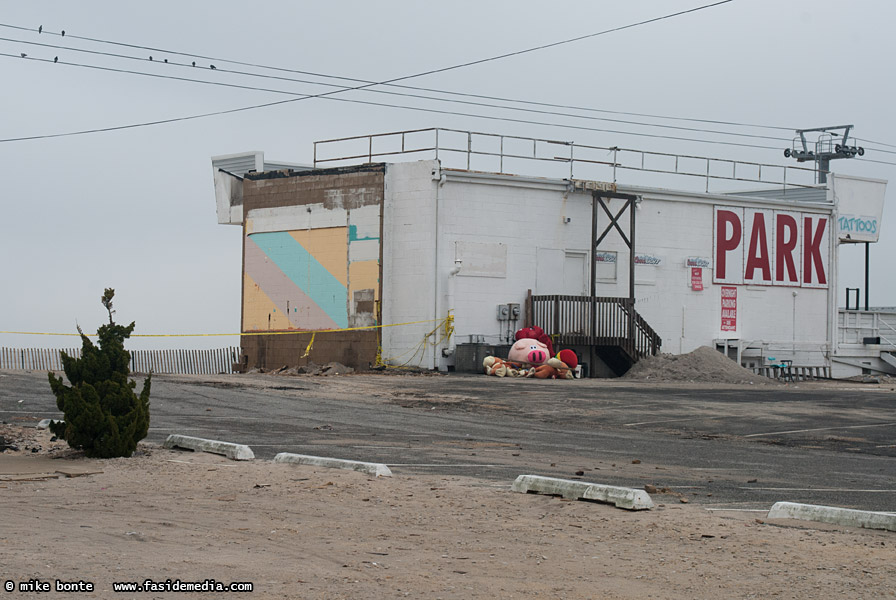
(447, 325)
(290, 332)
(308, 348)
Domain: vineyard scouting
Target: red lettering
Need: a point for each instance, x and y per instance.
(812, 250)
(797, 258)
(758, 254)
(729, 309)
(784, 250)
(724, 243)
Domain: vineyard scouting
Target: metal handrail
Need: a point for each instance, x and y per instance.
(573, 158)
(874, 327)
(595, 321)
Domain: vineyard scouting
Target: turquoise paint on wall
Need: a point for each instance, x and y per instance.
(306, 272)
(353, 235)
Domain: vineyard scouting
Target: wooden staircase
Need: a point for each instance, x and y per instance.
(610, 327)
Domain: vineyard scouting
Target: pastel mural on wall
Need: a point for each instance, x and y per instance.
(296, 280)
(267, 317)
(363, 272)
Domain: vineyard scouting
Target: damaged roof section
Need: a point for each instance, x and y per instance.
(229, 170)
(309, 171)
(338, 188)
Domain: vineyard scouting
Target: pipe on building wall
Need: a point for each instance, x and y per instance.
(793, 323)
(833, 332)
(681, 339)
(442, 178)
(452, 287)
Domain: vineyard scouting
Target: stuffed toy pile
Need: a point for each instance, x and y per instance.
(532, 355)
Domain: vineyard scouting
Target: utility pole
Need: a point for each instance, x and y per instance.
(825, 150)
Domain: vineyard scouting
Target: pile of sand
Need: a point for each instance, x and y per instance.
(703, 365)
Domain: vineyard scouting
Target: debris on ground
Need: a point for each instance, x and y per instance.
(18, 439)
(703, 365)
(331, 368)
(336, 368)
(877, 378)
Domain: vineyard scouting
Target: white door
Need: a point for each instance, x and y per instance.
(575, 274)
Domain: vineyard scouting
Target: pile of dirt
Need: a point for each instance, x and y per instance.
(703, 365)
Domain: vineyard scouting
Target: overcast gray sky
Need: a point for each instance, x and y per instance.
(134, 209)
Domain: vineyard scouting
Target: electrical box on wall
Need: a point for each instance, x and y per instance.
(514, 312)
(503, 312)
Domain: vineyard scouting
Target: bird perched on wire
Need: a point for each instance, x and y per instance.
(150, 59)
(212, 67)
(194, 63)
(166, 61)
(63, 33)
(40, 29)
(55, 59)
(24, 55)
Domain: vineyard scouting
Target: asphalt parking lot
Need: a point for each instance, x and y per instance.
(723, 447)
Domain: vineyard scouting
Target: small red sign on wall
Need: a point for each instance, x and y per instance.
(729, 308)
(697, 279)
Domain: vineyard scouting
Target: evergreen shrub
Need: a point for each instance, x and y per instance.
(103, 416)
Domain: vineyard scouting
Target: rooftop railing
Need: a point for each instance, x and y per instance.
(505, 153)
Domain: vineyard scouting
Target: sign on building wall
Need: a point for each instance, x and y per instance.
(605, 265)
(771, 247)
(648, 259)
(860, 204)
(698, 261)
(729, 308)
(646, 271)
(697, 279)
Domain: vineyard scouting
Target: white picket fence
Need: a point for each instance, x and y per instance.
(181, 362)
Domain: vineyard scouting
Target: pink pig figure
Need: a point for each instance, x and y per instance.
(528, 350)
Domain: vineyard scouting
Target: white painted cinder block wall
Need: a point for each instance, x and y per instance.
(526, 218)
(674, 228)
(408, 286)
(514, 234)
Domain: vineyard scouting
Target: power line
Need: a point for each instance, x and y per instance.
(416, 88)
(354, 101)
(881, 150)
(419, 96)
(526, 50)
(879, 143)
(329, 96)
(142, 124)
(880, 162)
(445, 69)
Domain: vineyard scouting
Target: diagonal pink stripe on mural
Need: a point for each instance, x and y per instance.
(303, 312)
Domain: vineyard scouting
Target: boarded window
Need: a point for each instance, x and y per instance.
(481, 259)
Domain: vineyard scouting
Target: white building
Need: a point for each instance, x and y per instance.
(421, 246)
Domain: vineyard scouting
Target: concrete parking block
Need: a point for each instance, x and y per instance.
(621, 497)
(232, 451)
(375, 469)
(831, 514)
